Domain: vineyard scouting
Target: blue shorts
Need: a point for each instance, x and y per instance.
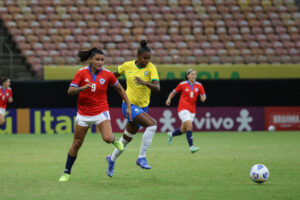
(135, 111)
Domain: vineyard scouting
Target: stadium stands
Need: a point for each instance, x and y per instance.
(178, 31)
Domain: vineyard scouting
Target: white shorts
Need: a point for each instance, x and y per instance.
(87, 121)
(2, 111)
(186, 115)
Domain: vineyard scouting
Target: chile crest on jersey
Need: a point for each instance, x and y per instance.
(102, 81)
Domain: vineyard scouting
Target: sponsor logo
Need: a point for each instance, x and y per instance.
(277, 119)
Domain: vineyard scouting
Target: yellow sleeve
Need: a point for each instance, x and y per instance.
(121, 68)
(153, 74)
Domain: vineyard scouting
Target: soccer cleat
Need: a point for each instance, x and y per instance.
(64, 178)
(111, 165)
(142, 162)
(119, 145)
(194, 149)
(170, 137)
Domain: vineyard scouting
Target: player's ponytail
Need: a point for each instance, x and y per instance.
(144, 48)
(85, 55)
(188, 72)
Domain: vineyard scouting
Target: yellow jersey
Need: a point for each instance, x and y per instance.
(138, 94)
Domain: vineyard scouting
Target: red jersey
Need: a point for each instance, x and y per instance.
(93, 101)
(4, 96)
(189, 95)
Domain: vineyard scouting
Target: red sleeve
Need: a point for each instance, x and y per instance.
(10, 94)
(178, 88)
(113, 81)
(77, 79)
(201, 90)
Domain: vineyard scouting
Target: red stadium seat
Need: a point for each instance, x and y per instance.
(223, 30)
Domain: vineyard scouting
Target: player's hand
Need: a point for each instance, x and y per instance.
(128, 113)
(139, 80)
(87, 86)
(203, 98)
(168, 102)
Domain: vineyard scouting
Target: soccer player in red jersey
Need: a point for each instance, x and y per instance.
(91, 84)
(189, 91)
(5, 97)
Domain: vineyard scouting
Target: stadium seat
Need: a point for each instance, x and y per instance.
(227, 31)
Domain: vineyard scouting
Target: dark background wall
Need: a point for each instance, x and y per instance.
(45, 94)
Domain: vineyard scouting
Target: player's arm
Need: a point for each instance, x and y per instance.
(76, 82)
(203, 97)
(202, 94)
(124, 96)
(75, 90)
(153, 86)
(170, 97)
(117, 74)
(10, 99)
(120, 70)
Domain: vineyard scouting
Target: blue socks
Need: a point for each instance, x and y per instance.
(189, 138)
(176, 132)
(69, 164)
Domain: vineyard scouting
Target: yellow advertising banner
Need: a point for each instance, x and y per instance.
(203, 71)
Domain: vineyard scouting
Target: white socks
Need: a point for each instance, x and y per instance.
(117, 152)
(147, 140)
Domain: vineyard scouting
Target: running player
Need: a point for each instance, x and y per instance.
(5, 97)
(141, 79)
(189, 90)
(91, 84)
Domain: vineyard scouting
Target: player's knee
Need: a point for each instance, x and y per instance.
(189, 126)
(152, 128)
(108, 139)
(2, 121)
(182, 130)
(152, 123)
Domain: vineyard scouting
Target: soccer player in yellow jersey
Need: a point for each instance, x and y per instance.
(141, 78)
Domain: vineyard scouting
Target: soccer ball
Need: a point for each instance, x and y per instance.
(259, 173)
(271, 128)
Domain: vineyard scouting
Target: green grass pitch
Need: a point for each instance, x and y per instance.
(30, 166)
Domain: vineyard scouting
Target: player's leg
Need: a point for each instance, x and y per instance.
(145, 120)
(177, 132)
(183, 116)
(189, 135)
(79, 135)
(107, 135)
(104, 127)
(2, 120)
(130, 130)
